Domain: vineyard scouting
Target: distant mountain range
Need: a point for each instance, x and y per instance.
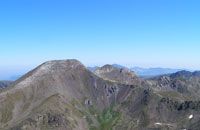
(144, 72)
(4, 84)
(149, 72)
(14, 77)
(11, 77)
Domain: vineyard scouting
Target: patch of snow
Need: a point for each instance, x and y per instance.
(158, 123)
(164, 124)
(191, 116)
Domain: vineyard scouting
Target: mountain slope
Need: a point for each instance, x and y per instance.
(184, 82)
(64, 95)
(152, 106)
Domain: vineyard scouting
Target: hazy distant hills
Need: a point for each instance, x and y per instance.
(4, 84)
(14, 77)
(149, 72)
(65, 95)
(10, 77)
(92, 69)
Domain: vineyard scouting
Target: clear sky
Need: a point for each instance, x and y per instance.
(146, 33)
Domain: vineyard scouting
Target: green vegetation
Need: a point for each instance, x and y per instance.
(8, 106)
(108, 119)
(105, 120)
(7, 112)
(144, 117)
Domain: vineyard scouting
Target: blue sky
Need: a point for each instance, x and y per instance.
(146, 33)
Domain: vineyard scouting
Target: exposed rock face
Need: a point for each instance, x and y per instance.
(181, 106)
(183, 82)
(64, 95)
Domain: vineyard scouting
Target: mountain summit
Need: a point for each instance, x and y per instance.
(116, 74)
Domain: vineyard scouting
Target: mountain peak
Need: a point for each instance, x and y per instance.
(69, 63)
(51, 69)
(59, 65)
(110, 72)
(108, 68)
